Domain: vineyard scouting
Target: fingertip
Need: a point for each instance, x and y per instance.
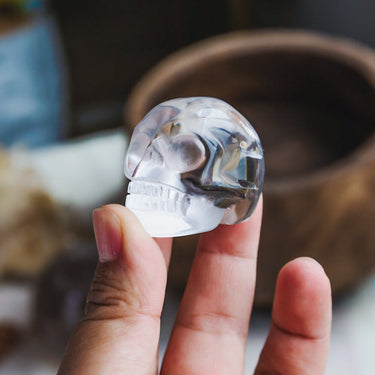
(240, 237)
(129, 220)
(134, 244)
(129, 260)
(305, 275)
(298, 341)
(302, 303)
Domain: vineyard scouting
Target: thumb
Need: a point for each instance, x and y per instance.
(120, 330)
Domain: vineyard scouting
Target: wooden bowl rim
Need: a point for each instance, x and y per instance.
(187, 59)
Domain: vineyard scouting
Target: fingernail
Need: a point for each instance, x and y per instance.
(107, 228)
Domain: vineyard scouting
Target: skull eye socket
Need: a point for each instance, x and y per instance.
(186, 152)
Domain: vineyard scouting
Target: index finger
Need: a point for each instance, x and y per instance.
(212, 323)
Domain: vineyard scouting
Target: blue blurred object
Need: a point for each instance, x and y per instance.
(35, 5)
(33, 95)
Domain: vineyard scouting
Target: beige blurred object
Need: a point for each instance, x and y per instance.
(311, 98)
(30, 222)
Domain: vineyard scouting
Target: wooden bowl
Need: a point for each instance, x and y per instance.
(311, 98)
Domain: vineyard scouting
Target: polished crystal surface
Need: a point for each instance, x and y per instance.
(194, 163)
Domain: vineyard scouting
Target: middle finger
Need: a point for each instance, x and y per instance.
(209, 336)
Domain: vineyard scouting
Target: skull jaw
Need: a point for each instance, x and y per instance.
(162, 224)
(170, 216)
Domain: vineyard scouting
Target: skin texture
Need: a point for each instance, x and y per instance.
(119, 333)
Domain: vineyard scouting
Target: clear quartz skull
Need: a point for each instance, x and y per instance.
(194, 163)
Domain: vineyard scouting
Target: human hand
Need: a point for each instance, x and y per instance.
(119, 333)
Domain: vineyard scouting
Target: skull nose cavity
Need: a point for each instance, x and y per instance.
(151, 196)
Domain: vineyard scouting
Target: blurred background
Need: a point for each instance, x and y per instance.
(76, 77)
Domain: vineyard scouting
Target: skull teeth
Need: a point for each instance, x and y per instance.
(150, 196)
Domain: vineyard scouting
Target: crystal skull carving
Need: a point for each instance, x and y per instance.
(194, 163)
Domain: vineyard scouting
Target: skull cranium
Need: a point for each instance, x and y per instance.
(193, 163)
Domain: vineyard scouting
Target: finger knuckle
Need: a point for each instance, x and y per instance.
(110, 297)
